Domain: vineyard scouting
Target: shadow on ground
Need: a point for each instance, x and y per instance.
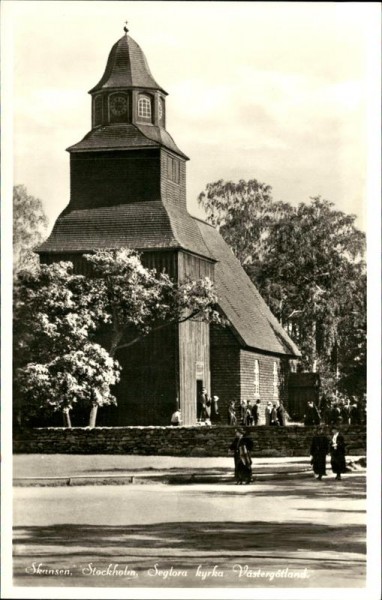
(195, 536)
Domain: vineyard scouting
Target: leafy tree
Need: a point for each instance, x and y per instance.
(307, 262)
(59, 314)
(29, 225)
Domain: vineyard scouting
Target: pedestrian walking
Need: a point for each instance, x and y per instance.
(268, 410)
(241, 448)
(281, 415)
(312, 416)
(319, 448)
(274, 419)
(256, 412)
(337, 453)
(232, 420)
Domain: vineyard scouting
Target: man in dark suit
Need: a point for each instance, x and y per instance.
(337, 453)
(312, 416)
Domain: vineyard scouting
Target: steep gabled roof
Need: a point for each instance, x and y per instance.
(127, 67)
(248, 313)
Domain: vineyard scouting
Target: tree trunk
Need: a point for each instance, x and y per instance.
(93, 415)
(66, 417)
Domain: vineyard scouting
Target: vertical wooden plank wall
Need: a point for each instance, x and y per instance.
(194, 344)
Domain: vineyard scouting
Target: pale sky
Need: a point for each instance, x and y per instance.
(272, 91)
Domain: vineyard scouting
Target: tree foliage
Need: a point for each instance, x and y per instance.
(29, 225)
(60, 319)
(307, 262)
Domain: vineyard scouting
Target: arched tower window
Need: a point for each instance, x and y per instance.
(118, 108)
(144, 108)
(98, 111)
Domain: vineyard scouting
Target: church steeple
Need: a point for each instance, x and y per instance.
(128, 105)
(127, 92)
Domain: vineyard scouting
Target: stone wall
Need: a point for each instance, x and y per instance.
(182, 441)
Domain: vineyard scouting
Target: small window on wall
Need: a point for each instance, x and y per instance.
(173, 169)
(275, 381)
(98, 112)
(144, 108)
(256, 378)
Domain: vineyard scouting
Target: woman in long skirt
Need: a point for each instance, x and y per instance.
(319, 448)
(241, 447)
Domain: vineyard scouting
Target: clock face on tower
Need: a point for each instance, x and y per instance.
(118, 105)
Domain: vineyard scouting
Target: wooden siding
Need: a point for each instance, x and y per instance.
(225, 369)
(194, 344)
(171, 191)
(113, 177)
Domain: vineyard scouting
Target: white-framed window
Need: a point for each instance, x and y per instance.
(275, 380)
(144, 107)
(256, 378)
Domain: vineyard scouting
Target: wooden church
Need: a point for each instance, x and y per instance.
(128, 189)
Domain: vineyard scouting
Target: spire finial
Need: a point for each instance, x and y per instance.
(125, 27)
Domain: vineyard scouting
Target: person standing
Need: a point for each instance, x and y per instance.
(232, 420)
(335, 414)
(274, 419)
(203, 404)
(281, 414)
(346, 412)
(354, 414)
(268, 410)
(215, 408)
(243, 411)
(337, 453)
(176, 417)
(248, 415)
(241, 448)
(312, 416)
(256, 412)
(319, 448)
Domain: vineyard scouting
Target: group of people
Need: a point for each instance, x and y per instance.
(321, 446)
(275, 414)
(344, 412)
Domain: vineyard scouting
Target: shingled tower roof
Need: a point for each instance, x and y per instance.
(127, 67)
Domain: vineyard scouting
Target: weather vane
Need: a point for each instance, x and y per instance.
(125, 27)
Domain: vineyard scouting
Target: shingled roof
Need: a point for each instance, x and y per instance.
(142, 225)
(127, 67)
(242, 304)
(126, 136)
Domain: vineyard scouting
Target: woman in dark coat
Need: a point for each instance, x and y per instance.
(241, 447)
(337, 453)
(319, 448)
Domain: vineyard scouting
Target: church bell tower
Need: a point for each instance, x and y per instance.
(128, 189)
